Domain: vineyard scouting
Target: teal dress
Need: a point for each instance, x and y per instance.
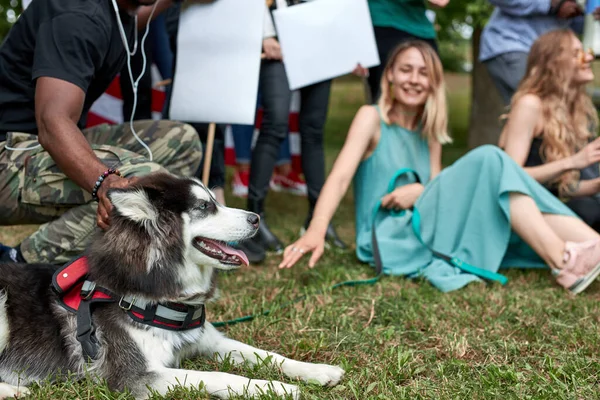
(464, 211)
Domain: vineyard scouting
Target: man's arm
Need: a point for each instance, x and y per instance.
(144, 12)
(526, 8)
(58, 106)
(523, 8)
(161, 6)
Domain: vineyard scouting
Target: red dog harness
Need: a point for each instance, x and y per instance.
(78, 295)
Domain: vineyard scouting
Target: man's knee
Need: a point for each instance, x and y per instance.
(180, 144)
(184, 133)
(140, 168)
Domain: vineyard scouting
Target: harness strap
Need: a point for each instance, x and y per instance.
(166, 316)
(86, 331)
(80, 296)
(416, 225)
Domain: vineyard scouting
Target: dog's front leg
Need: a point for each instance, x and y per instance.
(219, 384)
(214, 342)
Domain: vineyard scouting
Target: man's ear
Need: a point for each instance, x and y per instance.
(133, 204)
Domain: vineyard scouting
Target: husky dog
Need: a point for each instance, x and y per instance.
(145, 282)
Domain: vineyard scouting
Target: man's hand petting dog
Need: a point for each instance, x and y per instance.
(104, 204)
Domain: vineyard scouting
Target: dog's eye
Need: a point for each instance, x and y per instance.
(203, 205)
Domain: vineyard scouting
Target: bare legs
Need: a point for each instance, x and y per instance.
(546, 233)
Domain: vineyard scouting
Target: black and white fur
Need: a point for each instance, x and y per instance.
(151, 250)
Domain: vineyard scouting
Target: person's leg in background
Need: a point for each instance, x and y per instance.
(506, 71)
(285, 178)
(162, 54)
(242, 139)
(161, 47)
(313, 114)
(172, 27)
(276, 98)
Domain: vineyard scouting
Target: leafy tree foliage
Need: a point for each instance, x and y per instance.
(9, 11)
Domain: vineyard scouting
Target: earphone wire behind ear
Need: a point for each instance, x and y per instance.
(134, 82)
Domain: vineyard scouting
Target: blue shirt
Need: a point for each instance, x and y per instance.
(516, 24)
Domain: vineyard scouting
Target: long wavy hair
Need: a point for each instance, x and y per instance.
(434, 115)
(567, 110)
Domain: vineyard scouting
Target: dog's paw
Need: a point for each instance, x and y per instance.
(258, 387)
(7, 391)
(322, 374)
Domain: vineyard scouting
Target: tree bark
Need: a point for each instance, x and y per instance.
(486, 103)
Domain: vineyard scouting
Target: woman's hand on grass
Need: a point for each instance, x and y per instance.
(311, 241)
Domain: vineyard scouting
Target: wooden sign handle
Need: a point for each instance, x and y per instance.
(210, 141)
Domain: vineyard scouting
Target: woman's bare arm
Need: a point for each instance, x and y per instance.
(518, 134)
(362, 132)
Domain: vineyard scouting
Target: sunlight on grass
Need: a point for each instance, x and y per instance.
(396, 339)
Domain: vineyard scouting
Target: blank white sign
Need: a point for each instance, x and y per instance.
(324, 39)
(218, 61)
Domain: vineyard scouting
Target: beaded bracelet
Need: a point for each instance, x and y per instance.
(101, 179)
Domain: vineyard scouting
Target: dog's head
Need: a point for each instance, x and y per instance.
(165, 236)
(159, 202)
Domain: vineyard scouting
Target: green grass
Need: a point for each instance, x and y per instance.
(397, 339)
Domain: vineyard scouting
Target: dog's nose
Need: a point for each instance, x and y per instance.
(253, 219)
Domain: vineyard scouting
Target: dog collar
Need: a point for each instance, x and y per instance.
(78, 295)
(166, 315)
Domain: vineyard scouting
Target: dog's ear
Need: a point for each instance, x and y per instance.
(133, 204)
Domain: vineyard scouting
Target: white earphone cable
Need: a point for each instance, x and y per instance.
(135, 82)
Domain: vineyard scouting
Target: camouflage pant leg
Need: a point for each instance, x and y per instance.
(38, 192)
(174, 145)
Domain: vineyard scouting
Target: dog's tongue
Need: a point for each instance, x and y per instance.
(230, 251)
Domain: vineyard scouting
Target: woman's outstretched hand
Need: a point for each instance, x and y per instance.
(309, 242)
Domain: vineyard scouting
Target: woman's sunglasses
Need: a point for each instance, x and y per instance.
(582, 55)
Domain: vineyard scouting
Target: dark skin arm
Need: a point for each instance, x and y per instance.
(161, 6)
(58, 106)
(143, 13)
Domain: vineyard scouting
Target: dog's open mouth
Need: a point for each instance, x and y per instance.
(221, 252)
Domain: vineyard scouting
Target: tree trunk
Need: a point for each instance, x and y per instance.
(486, 103)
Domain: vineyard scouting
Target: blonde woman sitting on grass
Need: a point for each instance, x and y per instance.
(479, 210)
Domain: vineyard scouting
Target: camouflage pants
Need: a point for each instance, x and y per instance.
(33, 190)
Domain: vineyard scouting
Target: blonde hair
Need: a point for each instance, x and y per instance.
(434, 116)
(568, 112)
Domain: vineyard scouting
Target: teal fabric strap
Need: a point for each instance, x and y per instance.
(458, 263)
(391, 187)
(416, 225)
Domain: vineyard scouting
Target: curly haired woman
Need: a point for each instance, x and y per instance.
(552, 124)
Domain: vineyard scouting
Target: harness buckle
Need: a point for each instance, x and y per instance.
(123, 307)
(87, 289)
